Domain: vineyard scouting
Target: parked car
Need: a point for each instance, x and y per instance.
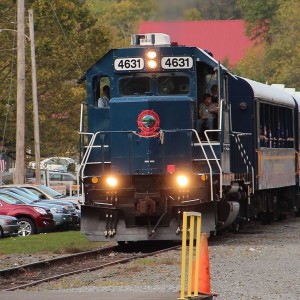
(60, 164)
(46, 193)
(32, 219)
(66, 179)
(62, 214)
(9, 226)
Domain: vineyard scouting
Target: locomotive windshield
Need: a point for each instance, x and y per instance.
(160, 85)
(135, 86)
(173, 85)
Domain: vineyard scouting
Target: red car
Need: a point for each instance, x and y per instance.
(32, 219)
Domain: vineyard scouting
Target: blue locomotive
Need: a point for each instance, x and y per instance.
(144, 163)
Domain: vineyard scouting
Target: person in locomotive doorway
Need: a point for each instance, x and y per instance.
(103, 101)
(207, 113)
(214, 94)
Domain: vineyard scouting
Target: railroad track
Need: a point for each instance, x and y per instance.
(35, 273)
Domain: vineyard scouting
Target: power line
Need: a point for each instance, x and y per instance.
(65, 37)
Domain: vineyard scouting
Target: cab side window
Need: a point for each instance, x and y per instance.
(101, 91)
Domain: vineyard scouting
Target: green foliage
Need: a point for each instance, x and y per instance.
(197, 10)
(278, 59)
(192, 14)
(253, 65)
(258, 16)
(67, 41)
(122, 17)
(283, 54)
(56, 242)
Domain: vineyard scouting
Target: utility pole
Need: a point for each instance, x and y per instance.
(35, 102)
(20, 134)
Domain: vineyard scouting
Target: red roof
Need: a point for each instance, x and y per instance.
(226, 39)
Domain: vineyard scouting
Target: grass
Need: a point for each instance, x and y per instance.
(56, 242)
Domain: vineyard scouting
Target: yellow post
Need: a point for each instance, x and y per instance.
(190, 234)
(191, 250)
(183, 255)
(198, 237)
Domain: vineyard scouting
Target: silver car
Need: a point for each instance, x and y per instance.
(9, 226)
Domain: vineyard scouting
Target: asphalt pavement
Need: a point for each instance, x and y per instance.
(24, 295)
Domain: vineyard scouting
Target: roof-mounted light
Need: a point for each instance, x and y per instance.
(149, 39)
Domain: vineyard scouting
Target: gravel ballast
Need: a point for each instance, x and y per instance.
(260, 263)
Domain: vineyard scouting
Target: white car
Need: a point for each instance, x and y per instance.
(58, 164)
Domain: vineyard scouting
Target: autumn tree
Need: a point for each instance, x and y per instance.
(122, 17)
(258, 16)
(68, 40)
(197, 10)
(283, 54)
(275, 58)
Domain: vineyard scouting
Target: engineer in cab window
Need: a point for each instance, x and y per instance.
(207, 113)
(103, 101)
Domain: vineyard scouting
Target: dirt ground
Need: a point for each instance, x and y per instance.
(258, 263)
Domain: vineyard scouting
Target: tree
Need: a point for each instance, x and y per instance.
(276, 59)
(258, 16)
(68, 40)
(283, 54)
(192, 14)
(253, 64)
(209, 10)
(122, 17)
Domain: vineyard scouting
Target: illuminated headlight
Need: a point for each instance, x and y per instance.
(111, 181)
(40, 210)
(151, 54)
(152, 64)
(182, 180)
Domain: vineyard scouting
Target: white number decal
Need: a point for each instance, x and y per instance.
(184, 62)
(129, 64)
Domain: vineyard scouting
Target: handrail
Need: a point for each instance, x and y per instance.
(215, 157)
(213, 152)
(208, 163)
(243, 153)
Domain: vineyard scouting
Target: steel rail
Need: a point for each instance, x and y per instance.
(101, 266)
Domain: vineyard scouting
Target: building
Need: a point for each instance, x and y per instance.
(225, 39)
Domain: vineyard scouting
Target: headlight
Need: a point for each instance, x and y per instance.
(152, 64)
(57, 210)
(111, 181)
(151, 54)
(182, 180)
(40, 210)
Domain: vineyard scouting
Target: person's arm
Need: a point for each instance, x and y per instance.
(100, 102)
(213, 109)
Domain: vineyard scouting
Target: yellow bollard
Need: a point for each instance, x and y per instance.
(190, 234)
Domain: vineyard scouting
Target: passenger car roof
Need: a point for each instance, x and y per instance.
(270, 93)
